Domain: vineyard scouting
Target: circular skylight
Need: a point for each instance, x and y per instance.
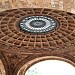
(38, 24)
(51, 67)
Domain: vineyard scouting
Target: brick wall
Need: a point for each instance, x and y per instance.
(66, 5)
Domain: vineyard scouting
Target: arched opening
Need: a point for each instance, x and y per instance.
(48, 65)
(53, 67)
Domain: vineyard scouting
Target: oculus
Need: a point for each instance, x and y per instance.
(38, 24)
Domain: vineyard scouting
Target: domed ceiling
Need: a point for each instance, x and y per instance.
(29, 35)
(66, 5)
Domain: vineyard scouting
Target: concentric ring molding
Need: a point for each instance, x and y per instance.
(18, 47)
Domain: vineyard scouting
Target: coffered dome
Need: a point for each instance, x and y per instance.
(37, 28)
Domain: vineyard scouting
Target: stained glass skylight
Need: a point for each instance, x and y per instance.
(38, 24)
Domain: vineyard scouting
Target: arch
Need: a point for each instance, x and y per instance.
(26, 66)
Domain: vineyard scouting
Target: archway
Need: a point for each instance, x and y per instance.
(48, 65)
